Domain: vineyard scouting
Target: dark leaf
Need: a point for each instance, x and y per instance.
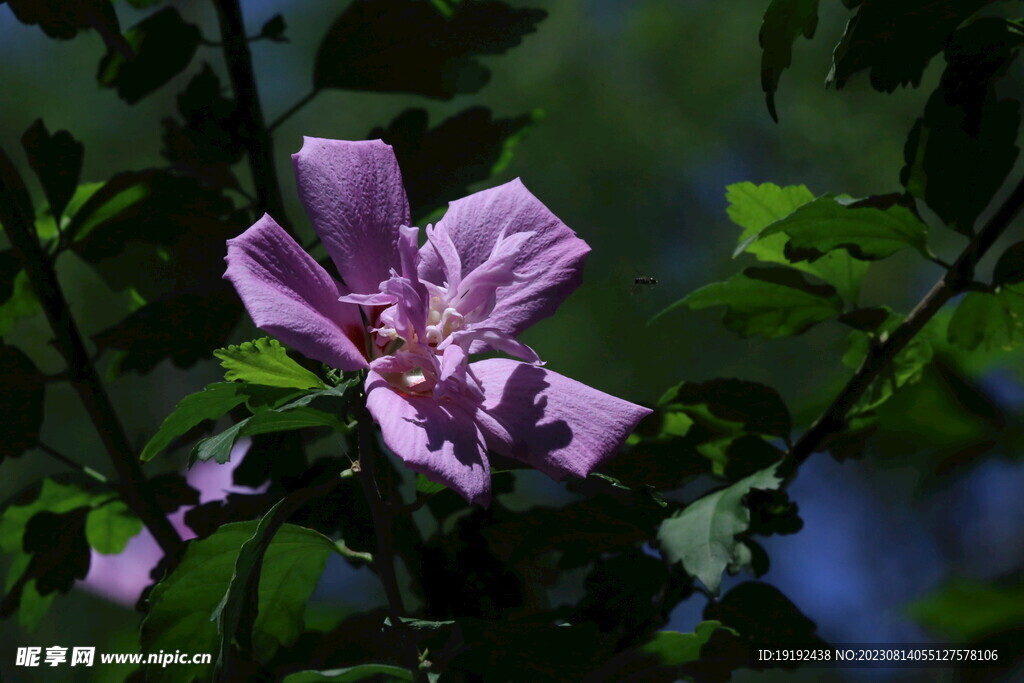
(784, 21)
(21, 401)
(1009, 268)
(63, 19)
(896, 40)
(418, 46)
(211, 403)
(760, 613)
(274, 29)
(866, 319)
(57, 161)
(171, 491)
(57, 545)
(182, 327)
(164, 44)
(271, 457)
(905, 368)
(959, 154)
(758, 407)
(771, 302)
(208, 139)
(439, 164)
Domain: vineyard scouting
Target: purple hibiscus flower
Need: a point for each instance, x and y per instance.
(497, 262)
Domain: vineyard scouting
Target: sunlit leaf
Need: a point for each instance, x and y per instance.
(770, 302)
(702, 536)
(967, 610)
(989, 320)
(109, 527)
(264, 361)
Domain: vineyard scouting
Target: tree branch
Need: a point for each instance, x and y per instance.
(254, 131)
(16, 215)
(960, 274)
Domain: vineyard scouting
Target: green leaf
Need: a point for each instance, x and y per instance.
(989, 320)
(164, 44)
(771, 302)
(440, 163)
(966, 611)
(22, 395)
(109, 527)
(869, 229)
(219, 447)
(57, 161)
(211, 403)
(959, 153)
(21, 304)
(264, 361)
(906, 368)
(755, 207)
(664, 650)
(429, 52)
(702, 536)
(238, 609)
(896, 40)
(784, 21)
(46, 224)
(352, 673)
(181, 604)
(426, 488)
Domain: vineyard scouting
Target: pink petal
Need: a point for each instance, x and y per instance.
(551, 261)
(439, 439)
(289, 296)
(554, 424)
(354, 197)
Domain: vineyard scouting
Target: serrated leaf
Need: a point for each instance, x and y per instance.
(351, 674)
(989, 320)
(57, 162)
(109, 527)
(164, 44)
(440, 163)
(22, 394)
(959, 153)
(219, 447)
(771, 302)
(181, 604)
(869, 229)
(265, 361)
(969, 610)
(702, 536)
(896, 40)
(426, 52)
(784, 21)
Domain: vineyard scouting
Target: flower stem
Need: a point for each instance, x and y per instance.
(254, 130)
(960, 274)
(16, 216)
(384, 558)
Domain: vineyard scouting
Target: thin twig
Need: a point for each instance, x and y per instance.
(384, 558)
(16, 216)
(247, 103)
(954, 281)
(73, 464)
(292, 110)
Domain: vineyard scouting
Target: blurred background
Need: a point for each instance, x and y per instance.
(650, 108)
